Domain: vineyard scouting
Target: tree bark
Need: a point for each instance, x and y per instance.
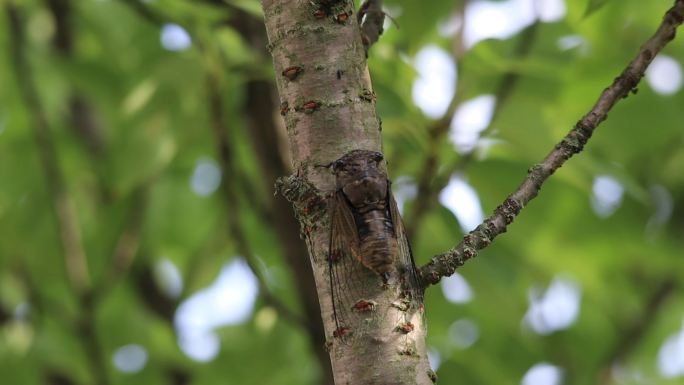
(329, 109)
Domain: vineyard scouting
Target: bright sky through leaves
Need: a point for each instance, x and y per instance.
(175, 38)
(456, 289)
(130, 358)
(607, 195)
(543, 373)
(555, 309)
(206, 177)
(470, 119)
(462, 200)
(228, 301)
(664, 75)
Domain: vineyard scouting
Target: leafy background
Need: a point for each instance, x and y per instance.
(156, 177)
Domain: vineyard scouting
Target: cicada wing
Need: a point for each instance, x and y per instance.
(405, 261)
(348, 276)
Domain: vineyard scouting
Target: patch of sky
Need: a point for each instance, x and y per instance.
(229, 300)
(607, 193)
(462, 200)
(175, 38)
(130, 358)
(556, 308)
(206, 177)
(664, 75)
(456, 289)
(543, 373)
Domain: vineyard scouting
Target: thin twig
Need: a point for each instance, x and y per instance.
(144, 11)
(86, 329)
(69, 232)
(127, 244)
(227, 163)
(436, 133)
(637, 329)
(429, 184)
(158, 18)
(156, 300)
(87, 127)
(445, 264)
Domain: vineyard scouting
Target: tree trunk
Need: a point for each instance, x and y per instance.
(329, 109)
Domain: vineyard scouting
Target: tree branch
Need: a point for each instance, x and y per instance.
(127, 244)
(67, 222)
(637, 329)
(83, 118)
(429, 185)
(227, 163)
(445, 264)
(269, 142)
(436, 133)
(145, 12)
(329, 109)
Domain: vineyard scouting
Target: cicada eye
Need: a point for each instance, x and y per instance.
(337, 165)
(378, 157)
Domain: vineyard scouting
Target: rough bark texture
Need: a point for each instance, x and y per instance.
(329, 109)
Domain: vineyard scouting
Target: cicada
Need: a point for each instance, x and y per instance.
(368, 244)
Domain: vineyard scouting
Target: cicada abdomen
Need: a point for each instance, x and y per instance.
(363, 187)
(367, 237)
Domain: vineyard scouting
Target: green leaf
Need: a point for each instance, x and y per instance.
(595, 5)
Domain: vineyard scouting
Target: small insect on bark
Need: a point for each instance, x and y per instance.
(367, 237)
(292, 72)
(340, 332)
(405, 328)
(364, 305)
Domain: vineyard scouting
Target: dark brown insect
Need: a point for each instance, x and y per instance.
(367, 237)
(363, 199)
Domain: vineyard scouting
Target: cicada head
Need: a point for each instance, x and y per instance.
(359, 175)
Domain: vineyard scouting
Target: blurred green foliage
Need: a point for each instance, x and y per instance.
(152, 106)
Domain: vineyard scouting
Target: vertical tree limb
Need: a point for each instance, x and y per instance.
(329, 108)
(67, 222)
(265, 134)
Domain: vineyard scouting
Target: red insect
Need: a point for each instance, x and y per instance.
(363, 305)
(292, 72)
(340, 332)
(310, 106)
(342, 17)
(405, 328)
(320, 14)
